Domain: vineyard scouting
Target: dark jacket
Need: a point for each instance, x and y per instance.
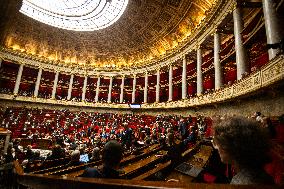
(104, 172)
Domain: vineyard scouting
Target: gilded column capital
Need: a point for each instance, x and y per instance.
(216, 29)
(234, 5)
(197, 46)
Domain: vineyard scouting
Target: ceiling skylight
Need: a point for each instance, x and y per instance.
(78, 15)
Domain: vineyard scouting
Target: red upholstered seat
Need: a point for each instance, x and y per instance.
(209, 178)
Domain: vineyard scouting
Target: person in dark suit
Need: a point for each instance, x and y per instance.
(174, 150)
(183, 129)
(112, 155)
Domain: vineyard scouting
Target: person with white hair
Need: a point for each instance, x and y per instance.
(75, 159)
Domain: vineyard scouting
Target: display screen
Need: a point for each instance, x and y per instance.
(84, 158)
(135, 105)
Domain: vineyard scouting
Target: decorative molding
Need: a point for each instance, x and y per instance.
(269, 74)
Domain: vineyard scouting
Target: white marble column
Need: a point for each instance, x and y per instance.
(134, 89)
(98, 89)
(54, 85)
(146, 88)
(7, 141)
(70, 87)
(217, 62)
(18, 80)
(37, 82)
(171, 83)
(158, 86)
(109, 90)
(241, 56)
(184, 83)
(272, 27)
(84, 88)
(121, 89)
(199, 72)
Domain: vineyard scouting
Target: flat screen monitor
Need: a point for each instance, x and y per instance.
(135, 105)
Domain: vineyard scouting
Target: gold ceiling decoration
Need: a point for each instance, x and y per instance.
(147, 30)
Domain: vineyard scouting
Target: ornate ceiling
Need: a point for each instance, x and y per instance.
(147, 30)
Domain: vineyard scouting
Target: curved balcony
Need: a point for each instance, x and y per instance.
(269, 74)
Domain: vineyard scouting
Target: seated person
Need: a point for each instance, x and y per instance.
(95, 154)
(244, 144)
(174, 150)
(29, 154)
(56, 153)
(75, 159)
(111, 157)
(192, 137)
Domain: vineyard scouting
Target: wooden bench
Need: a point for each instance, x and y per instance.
(134, 169)
(78, 170)
(165, 165)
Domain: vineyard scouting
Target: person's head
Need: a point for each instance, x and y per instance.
(96, 152)
(56, 150)
(29, 147)
(112, 153)
(75, 156)
(171, 138)
(37, 154)
(257, 114)
(241, 141)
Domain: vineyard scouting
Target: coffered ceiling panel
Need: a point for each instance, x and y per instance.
(146, 30)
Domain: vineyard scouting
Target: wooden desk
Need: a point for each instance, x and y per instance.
(25, 142)
(158, 167)
(43, 143)
(74, 169)
(145, 151)
(199, 160)
(126, 160)
(55, 182)
(151, 160)
(165, 165)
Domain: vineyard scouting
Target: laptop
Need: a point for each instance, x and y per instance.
(84, 158)
(188, 169)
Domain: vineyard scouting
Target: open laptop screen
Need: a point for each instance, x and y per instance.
(84, 158)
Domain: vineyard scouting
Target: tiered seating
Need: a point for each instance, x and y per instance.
(38, 166)
(165, 166)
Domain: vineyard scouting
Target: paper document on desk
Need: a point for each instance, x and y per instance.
(188, 169)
